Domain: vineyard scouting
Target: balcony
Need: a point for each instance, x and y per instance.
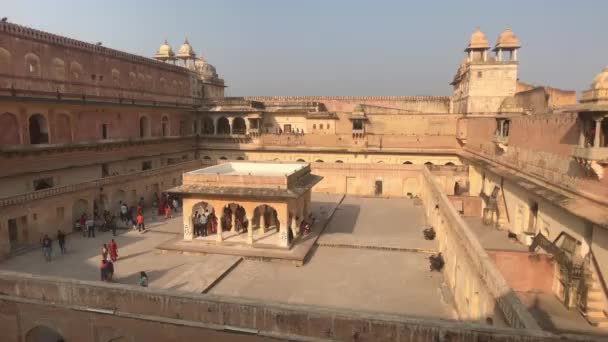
(598, 154)
(501, 142)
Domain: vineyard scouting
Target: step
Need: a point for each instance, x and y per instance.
(602, 324)
(594, 314)
(595, 295)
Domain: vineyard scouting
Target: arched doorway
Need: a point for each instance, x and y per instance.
(265, 218)
(164, 127)
(208, 127)
(144, 127)
(43, 333)
(234, 218)
(238, 126)
(39, 129)
(9, 129)
(199, 209)
(223, 126)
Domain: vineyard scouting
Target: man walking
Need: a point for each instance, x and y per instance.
(123, 212)
(47, 247)
(203, 223)
(140, 222)
(61, 241)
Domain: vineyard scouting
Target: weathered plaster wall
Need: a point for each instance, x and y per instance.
(525, 271)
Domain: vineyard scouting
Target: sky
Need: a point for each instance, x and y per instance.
(338, 47)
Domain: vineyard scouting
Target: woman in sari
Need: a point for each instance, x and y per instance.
(113, 247)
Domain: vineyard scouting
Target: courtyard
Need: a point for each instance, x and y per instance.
(366, 259)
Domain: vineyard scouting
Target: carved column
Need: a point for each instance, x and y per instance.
(215, 125)
(294, 225)
(263, 219)
(250, 230)
(598, 128)
(581, 133)
(230, 124)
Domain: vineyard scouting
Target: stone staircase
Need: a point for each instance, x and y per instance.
(595, 307)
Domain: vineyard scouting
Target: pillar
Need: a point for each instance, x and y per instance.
(186, 219)
(233, 228)
(215, 125)
(581, 133)
(515, 55)
(247, 126)
(500, 55)
(263, 219)
(230, 123)
(294, 224)
(250, 230)
(598, 128)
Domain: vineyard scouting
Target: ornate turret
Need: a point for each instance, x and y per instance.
(507, 42)
(165, 53)
(477, 49)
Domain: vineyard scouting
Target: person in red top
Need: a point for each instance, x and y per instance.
(113, 247)
(82, 222)
(168, 211)
(140, 222)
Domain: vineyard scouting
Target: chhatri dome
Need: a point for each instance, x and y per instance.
(478, 41)
(600, 81)
(186, 51)
(507, 40)
(164, 52)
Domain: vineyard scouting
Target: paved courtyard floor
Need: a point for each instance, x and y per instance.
(378, 222)
(492, 238)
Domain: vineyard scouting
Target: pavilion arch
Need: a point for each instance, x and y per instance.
(233, 217)
(39, 129)
(202, 207)
(42, 333)
(239, 126)
(76, 71)
(5, 61)
(319, 161)
(223, 126)
(32, 65)
(58, 69)
(208, 126)
(145, 129)
(301, 160)
(165, 126)
(339, 162)
(63, 128)
(79, 207)
(265, 217)
(9, 129)
(407, 162)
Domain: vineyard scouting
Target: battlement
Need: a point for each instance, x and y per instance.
(50, 38)
(346, 98)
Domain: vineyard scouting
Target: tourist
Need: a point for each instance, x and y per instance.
(124, 210)
(162, 205)
(175, 204)
(113, 247)
(61, 241)
(143, 279)
(110, 270)
(194, 220)
(90, 224)
(103, 268)
(202, 223)
(168, 212)
(47, 247)
(141, 204)
(104, 251)
(140, 222)
(82, 222)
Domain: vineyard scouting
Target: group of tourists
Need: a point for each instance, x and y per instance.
(107, 266)
(47, 245)
(205, 223)
(166, 204)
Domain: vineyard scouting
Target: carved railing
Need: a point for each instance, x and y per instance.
(37, 195)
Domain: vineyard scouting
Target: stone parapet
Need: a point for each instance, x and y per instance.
(81, 299)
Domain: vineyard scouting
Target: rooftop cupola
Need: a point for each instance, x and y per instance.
(507, 43)
(165, 53)
(477, 50)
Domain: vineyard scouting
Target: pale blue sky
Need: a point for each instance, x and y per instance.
(346, 47)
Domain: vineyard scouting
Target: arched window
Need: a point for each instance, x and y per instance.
(301, 161)
(223, 126)
(144, 127)
(208, 125)
(75, 70)
(339, 162)
(39, 129)
(318, 161)
(207, 158)
(449, 164)
(380, 162)
(42, 333)
(132, 80)
(32, 65)
(407, 162)
(5, 61)
(240, 158)
(314, 126)
(116, 77)
(58, 69)
(223, 158)
(238, 126)
(9, 129)
(164, 126)
(428, 163)
(320, 126)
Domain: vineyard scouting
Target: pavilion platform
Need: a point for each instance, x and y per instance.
(264, 246)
